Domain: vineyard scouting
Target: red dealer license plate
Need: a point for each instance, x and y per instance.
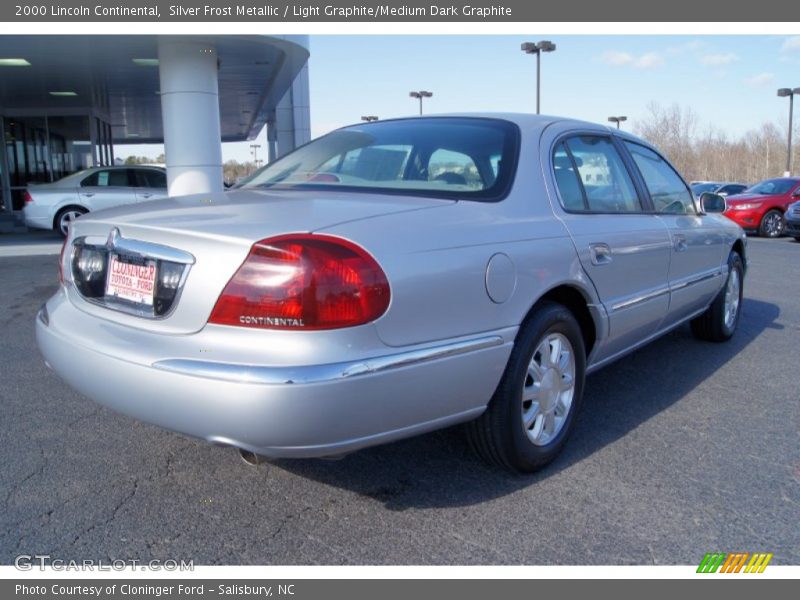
(131, 281)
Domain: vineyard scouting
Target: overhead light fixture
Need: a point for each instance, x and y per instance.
(66, 93)
(131, 135)
(145, 62)
(14, 62)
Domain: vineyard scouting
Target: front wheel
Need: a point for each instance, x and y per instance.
(772, 224)
(533, 409)
(719, 322)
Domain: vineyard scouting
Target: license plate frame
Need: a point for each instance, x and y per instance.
(128, 278)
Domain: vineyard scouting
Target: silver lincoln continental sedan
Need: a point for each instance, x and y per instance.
(393, 278)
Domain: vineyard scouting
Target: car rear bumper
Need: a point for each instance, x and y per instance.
(278, 411)
(37, 217)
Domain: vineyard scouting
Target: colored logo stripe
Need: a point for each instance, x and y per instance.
(733, 562)
(758, 563)
(711, 562)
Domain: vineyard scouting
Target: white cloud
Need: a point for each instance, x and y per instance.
(760, 80)
(791, 44)
(718, 60)
(645, 61)
(692, 46)
(648, 61)
(617, 58)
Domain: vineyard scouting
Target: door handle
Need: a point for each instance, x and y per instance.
(87, 194)
(601, 254)
(679, 243)
(146, 195)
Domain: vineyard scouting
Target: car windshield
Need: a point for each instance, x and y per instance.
(772, 187)
(701, 188)
(448, 157)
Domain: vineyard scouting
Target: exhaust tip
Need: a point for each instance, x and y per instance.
(335, 457)
(251, 458)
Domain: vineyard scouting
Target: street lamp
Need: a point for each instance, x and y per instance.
(369, 118)
(254, 152)
(537, 49)
(783, 93)
(420, 94)
(617, 120)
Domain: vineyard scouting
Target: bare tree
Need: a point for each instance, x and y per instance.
(713, 155)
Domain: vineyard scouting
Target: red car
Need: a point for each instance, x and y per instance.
(761, 208)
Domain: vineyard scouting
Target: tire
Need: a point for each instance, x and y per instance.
(507, 434)
(717, 324)
(772, 224)
(797, 239)
(65, 216)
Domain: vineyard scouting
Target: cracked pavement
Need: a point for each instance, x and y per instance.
(682, 448)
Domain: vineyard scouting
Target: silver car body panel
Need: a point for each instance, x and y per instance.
(433, 359)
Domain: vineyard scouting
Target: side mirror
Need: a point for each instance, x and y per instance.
(796, 193)
(712, 203)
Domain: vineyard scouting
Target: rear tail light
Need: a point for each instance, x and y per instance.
(306, 282)
(27, 197)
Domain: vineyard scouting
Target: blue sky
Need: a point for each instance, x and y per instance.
(730, 82)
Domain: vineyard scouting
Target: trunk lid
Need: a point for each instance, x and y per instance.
(218, 230)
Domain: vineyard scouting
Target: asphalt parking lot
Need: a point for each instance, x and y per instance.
(682, 448)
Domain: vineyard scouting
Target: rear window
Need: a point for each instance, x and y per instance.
(448, 157)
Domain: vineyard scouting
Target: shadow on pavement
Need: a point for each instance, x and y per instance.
(617, 399)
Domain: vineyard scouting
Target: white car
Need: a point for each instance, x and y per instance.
(55, 205)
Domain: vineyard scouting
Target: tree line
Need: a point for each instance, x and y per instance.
(710, 153)
(232, 170)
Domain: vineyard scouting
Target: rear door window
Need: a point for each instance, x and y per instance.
(591, 176)
(151, 179)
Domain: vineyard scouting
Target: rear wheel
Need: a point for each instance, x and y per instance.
(66, 216)
(533, 410)
(772, 224)
(719, 321)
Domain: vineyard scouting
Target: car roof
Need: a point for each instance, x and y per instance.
(530, 122)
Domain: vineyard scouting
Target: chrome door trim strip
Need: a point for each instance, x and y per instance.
(639, 299)
(697, 279)
(667, 290)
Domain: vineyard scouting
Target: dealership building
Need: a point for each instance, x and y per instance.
(66, 101)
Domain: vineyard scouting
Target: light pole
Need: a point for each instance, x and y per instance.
(420, 94)
(254, 152)
(369, 118)
(784, 92)
(617, 120)
(537, 48)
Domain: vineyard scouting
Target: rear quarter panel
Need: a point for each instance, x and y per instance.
(436, 260)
